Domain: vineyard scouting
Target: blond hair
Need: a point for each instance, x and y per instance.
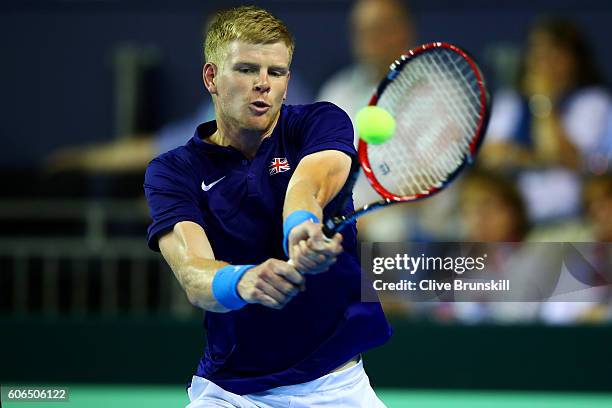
(245, 23)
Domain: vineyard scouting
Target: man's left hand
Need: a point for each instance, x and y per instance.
(309, 249)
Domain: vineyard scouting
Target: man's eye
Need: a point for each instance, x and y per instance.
(276, 73)
(246, 70)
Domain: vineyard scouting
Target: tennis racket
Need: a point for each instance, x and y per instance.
(438, 97)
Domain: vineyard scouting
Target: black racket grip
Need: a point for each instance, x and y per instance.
(328, 231)
(333, 225)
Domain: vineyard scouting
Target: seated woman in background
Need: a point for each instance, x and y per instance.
(491, 209)
(553, 127)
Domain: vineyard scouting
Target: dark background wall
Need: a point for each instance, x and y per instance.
(419, 355)
(56, 77)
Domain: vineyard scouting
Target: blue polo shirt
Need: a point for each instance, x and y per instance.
(239, 204)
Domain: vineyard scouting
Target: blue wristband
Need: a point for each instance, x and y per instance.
(224, 286)
(293, 219)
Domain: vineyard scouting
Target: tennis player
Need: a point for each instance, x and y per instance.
(244, 195)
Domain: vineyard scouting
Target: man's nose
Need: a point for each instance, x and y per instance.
(263, 83)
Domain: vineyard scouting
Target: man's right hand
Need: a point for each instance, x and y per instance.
(272, 283)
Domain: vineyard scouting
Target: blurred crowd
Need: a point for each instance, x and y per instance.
(544, 172)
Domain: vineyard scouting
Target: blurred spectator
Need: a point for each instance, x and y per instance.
(381, 30)
(590, 263)
(491, 208)
(596, 223)
(556, 122)
(597, 198)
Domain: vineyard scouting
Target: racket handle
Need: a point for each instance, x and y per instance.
(328, 230)
(333, 225)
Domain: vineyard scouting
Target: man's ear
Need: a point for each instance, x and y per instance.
(209, 75)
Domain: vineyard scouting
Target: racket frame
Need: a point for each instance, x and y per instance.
(337, 223)
(395, 69)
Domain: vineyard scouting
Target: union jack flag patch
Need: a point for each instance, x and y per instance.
(279, 165)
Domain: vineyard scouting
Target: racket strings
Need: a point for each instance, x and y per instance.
(411, 171)
(436, 102)
(411, 168)
(469, 76)
(419, 173)
(463, 118)
(442, 89)
(414, 170)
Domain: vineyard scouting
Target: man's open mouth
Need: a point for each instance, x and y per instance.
(259, 107)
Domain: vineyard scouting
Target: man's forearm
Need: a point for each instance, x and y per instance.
(303, 195)
(317, 180)
(196, 277)
(188, 253)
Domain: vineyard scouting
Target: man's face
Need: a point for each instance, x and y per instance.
(250, 85)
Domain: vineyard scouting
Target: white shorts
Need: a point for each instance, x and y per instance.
(346, 388)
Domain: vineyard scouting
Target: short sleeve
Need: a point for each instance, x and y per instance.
(172, 197)
(326, 127)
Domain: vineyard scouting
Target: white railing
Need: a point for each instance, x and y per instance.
(93, 271)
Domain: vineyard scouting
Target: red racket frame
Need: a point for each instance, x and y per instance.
(396, 67)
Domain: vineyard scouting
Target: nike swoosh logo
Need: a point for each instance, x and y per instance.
(209, 186)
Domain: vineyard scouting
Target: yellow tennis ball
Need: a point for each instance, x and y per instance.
(374, 124)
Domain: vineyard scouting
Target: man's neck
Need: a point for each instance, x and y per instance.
(246, 141)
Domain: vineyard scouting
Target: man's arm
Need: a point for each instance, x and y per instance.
(190, 256)
(316, 181)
